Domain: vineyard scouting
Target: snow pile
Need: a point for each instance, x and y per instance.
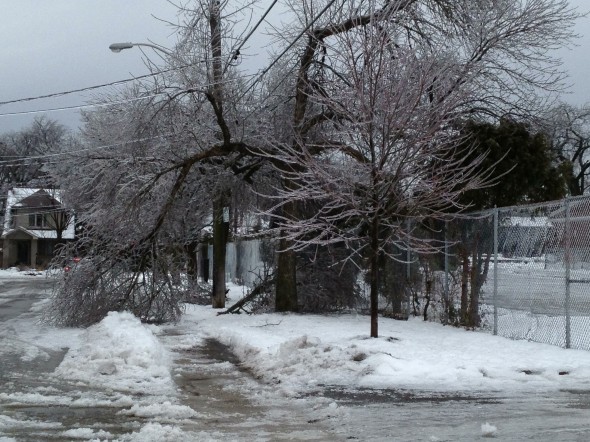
(121, 353)
(165, 409)
(155, 432)
(488, 430)
(87, 434)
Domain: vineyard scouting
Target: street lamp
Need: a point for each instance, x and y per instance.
(118, 47)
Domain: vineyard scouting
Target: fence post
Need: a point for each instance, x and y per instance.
(446, 289)
(567, 257)
(408, 266)
(495, 271)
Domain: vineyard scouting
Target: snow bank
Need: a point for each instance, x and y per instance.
(155, 432)
(122, 354)
(15, 273)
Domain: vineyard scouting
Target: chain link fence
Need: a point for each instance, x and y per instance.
(520, 272)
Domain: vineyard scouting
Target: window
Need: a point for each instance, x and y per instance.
(37, 220)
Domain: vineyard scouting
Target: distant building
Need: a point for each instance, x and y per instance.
(35, 221)
(523, 236)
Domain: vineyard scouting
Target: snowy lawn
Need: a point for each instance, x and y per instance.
(304, 352)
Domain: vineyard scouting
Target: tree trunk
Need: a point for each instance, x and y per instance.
(479, 274)
(219, 249)
(215, 27)
(464, 286)
(286, 282)
(192, 268)
(427, 295)
(392, 284)
(286, 279)
(374, 281)
(204, 259)
(473, 318)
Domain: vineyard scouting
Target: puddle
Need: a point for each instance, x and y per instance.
(369, 396)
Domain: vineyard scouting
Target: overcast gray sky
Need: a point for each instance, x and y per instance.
(58, 45)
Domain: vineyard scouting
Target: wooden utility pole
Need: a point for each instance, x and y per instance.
(219, 224)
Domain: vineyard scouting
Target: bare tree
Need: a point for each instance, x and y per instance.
(377, 170)
(569, 129)
(373, 143)
(500, 52)
(22, 153)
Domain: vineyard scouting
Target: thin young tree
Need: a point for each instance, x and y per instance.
(376, 171)
(501, 51)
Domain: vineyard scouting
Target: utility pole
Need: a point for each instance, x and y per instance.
(220, 232)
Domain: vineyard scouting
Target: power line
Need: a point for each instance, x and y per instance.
(80, 106)
(98, 86)
(110, 103)
(276, 60)
(236, 51)
(19, 162)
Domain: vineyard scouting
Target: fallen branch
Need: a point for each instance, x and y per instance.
(267, 324)
(256, 291)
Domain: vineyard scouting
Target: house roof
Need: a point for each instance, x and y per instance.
(39, 234)
(35, 198)
(40, 199)
(527, 221)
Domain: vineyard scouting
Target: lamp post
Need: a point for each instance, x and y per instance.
(118, 47)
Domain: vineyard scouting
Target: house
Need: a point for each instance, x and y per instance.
(35, 221)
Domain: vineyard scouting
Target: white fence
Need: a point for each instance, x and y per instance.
(243, 262)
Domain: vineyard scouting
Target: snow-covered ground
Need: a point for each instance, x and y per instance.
(307, 351)
(297, 355)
